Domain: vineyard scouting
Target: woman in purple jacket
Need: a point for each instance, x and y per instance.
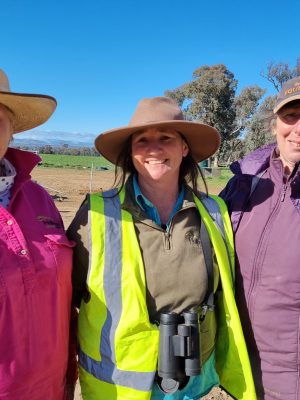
(35, 264)
(264, 201)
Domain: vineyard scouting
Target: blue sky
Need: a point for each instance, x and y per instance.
(99, 58)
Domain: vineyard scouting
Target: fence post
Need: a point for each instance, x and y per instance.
(91, 177)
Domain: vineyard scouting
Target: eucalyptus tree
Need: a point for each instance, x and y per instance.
(211, 97)
(280, 72)
(258, 130)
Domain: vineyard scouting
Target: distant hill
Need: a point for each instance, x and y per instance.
(52, 142)
(55, 139)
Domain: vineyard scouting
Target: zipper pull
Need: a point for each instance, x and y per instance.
(167, 241)
(284, 189)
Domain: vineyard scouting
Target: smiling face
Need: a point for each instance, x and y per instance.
(157, 155)
(5, 130)
(287, 131)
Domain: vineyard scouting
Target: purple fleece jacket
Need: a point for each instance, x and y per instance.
(267, 238)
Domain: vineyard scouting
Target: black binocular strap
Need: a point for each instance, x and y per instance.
(207, 253)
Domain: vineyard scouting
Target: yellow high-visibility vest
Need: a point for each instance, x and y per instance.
(118, 346)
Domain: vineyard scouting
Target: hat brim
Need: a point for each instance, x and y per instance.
(286, 101)
(29, 110)
(203, 140)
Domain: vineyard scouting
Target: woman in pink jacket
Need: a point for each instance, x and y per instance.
(35, 264)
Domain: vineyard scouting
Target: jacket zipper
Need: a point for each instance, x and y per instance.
(257, 265)
(283, 192)
(167, 232)
(167, 240)
(167, 236)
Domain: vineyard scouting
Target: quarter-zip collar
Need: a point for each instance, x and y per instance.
(130, 204)
(149, 207)
(259, 161)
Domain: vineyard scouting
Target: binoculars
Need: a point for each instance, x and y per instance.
(179, 350)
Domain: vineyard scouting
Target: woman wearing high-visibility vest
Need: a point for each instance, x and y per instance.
(154, 270)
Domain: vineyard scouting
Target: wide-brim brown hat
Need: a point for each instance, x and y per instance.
(28, 110)
(160, 112)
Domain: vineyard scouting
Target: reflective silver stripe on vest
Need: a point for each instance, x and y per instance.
(213, 209)
(106, 369)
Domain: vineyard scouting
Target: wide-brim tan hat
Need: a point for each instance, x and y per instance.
(28, 110)
(160, 112)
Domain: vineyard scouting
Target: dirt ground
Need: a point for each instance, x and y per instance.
(68, 187)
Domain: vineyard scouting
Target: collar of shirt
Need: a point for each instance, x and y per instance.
(150, 208)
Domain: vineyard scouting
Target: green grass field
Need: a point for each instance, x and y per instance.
(222, 177)
(217, 180)
(65, 161)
